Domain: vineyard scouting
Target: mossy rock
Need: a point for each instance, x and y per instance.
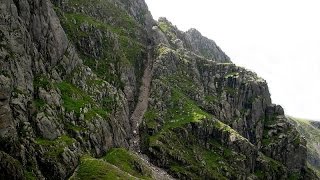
(54, 148)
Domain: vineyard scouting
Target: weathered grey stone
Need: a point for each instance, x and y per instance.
(47, 126)
(10, 167)
(159, 36)
(7, 125)
(52, 97)
(47, 92)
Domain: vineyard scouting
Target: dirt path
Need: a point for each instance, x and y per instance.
(137, 117)
(142, 105)
(157, 173)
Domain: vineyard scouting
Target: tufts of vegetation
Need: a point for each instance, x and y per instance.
(94, 112)
(117, 164)
(30, 175)
(295, 176)
(74, 128)
(91, 168)
(182, 82)
(181, 110)
(121, 20)
(75, 99)
(128, 162)
(270, 168)
(55, 147)
(150, 118)
(168, 29)
(164, 26)
(187, 158)
(120, 43)
(230, 91)
(211, 99)
(41, 81)
(39, 104)
(162, 49)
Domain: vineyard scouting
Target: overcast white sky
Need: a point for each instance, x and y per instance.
(278, 39)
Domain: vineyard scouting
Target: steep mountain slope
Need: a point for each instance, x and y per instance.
(190, 94)
(83, 84)
(310, 130)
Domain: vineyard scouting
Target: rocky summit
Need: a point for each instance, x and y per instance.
(97, 89)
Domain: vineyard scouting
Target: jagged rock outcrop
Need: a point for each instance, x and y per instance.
(51, 104)
(310, 131)
(188, 89)
(282, 142)
(204, 46)
(191, 40)
(73, 87)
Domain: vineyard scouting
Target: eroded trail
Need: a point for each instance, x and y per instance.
(137, 117)
(157, 173)
(142, 105)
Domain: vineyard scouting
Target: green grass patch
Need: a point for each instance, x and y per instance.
(165, 27)
(73, 98)
(211, 99)
(260, 174)
(74, 128)
(132, 49)
(103, 69)
(189, 159)
(128, 162)
(95, 82)
(39, 103)
(91, 168)
(168, 29)
(267, 141)
(118, 48)
(294, 176)
(123, 27)
(30, 175)
(183, 154)
(55, 147)
(183, 110)
(94, 112)
(150, 117)
(162, 49)
(117, 17)
(182, 82)
(41, 81)
(123, 38)
(275, 165)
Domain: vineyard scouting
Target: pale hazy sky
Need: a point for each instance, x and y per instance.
(278, 39)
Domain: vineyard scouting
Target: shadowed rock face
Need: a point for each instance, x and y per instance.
(7, 125)
(206, 47)
(316, 124)
(76, 76)
(310, 131)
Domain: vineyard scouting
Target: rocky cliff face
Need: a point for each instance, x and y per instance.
(310, 130)
(79, 78)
